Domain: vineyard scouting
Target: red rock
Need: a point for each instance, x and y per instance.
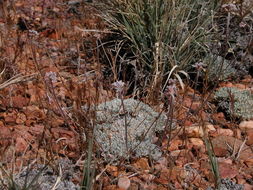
(165, 176)
(142, 163)
(221, 146)
(175, 153)
(16, 102)
(249, 137)
(227, 170)
(249, 161)
(195, 105)
(220, 151)
(34, 113)
(23, 131)
(61, 132)
(10, 117)
(225, 132)
(112, 170)
(225, 160)
(219, 115)
(111, 187)
(240, 179)
(19, 101)
(21, 118)
(196, 142)
(247, 186)
(240, 86)
(227, 84)
(21, 145)
(37, 129)
(246, 125)
(5, 136)
(124, 183)
(175, 144)
(2, 124)
(197, 131)
(72, 155)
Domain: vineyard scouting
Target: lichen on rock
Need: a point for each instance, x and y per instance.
(141, 121)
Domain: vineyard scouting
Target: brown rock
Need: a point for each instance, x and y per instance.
(225, 132)
(224, 145)
(124, 183)
(34, 113)
(61, 132)
(5, 136)
(246, 125)
(21, 118)
(2, 124)
(220, 151)
(23, 131)
(10, 117)
(175, 144)
(20, 101)
(111, 187)
(249, 137)
(21, 145)
(247, 186)
(112, 170)
(194, 131)
(227, 170)
(197, 131)
(37, 129)
(175, 153)
(196, 142)
(249, 161)
(241, 86)
(142, 163)
(164, 177)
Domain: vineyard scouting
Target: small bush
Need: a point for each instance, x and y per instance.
(219, 69)
(236, 102)
(142, 123)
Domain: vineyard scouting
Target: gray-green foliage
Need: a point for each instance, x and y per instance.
(219, 68)
(236, 102)
(41, 177)
(142, 123)
(163, 33)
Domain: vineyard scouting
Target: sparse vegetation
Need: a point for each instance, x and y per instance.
(129, 93)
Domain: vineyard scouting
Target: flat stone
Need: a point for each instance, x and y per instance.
(246, 125)
(224, 146)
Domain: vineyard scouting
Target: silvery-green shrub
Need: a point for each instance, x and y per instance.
(236, 102)
(141, 122)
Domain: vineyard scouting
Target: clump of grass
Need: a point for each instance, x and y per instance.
(162, 35)
(12, 184)
(213, 163)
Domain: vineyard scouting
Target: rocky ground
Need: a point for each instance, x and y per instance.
(50, 70)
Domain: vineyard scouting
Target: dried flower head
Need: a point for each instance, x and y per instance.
(199, 66)
(171, 89)
(119, 87)
(230, 7)
(51, 76)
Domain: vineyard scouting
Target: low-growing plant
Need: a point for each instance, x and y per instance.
(88, 172)
(28, 183)
(213, 163)
(237, 103)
